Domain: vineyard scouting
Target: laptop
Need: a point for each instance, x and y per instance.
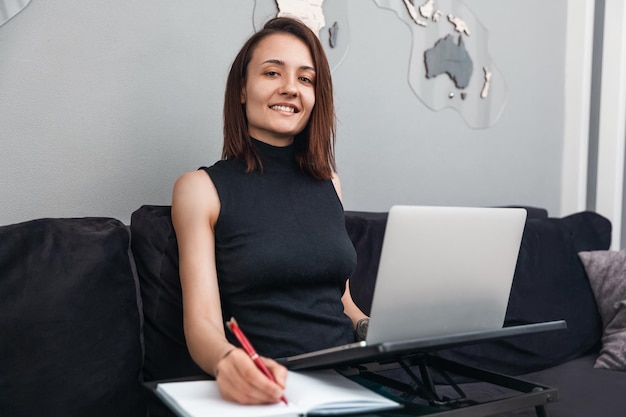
(444, 280)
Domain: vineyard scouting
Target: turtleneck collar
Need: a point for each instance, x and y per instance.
(275, 157)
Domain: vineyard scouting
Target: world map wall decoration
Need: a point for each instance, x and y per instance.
(449, 66)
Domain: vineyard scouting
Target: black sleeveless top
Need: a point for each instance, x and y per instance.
(283, 254)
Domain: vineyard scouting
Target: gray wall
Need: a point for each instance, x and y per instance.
(103, 104)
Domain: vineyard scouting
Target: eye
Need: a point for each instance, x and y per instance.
(305, 79)
(271, 73)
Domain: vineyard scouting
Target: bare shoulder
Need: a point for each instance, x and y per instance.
(192, 179)
(194, 195)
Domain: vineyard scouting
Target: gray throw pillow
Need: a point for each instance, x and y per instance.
(607, 275)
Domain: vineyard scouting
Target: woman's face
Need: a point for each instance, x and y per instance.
(279, 92)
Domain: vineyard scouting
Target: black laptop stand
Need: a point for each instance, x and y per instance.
(421, 396)
(425, 386)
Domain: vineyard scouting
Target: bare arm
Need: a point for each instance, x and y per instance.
(195, 208)
(349, 307)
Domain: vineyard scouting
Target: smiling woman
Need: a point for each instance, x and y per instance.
(9, 8)
(261, 234)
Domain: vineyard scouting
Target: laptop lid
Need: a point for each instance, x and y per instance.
(444, 270)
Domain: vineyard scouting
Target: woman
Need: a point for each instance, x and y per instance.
(261, 233)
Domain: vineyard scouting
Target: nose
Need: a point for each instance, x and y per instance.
(289, 87)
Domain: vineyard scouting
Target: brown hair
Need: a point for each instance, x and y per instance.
(314, 146)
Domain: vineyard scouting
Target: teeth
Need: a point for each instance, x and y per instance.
(283, 108)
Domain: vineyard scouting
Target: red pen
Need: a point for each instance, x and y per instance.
(247, 346)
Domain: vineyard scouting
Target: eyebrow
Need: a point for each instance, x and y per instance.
(282, 63)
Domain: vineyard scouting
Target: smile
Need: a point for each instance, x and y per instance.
(284, 108)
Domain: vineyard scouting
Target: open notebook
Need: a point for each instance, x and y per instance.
(444, 279)
(320, 392)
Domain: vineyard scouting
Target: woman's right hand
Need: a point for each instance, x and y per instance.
(239, 379)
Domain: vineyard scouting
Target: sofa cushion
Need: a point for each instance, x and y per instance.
(70, 320)
(583, 391)
(156, 254)
(606, 271)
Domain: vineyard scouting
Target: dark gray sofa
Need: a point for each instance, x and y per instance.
(87, 314)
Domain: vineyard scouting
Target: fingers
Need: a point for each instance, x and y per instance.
(279, 371)
(239, 380)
